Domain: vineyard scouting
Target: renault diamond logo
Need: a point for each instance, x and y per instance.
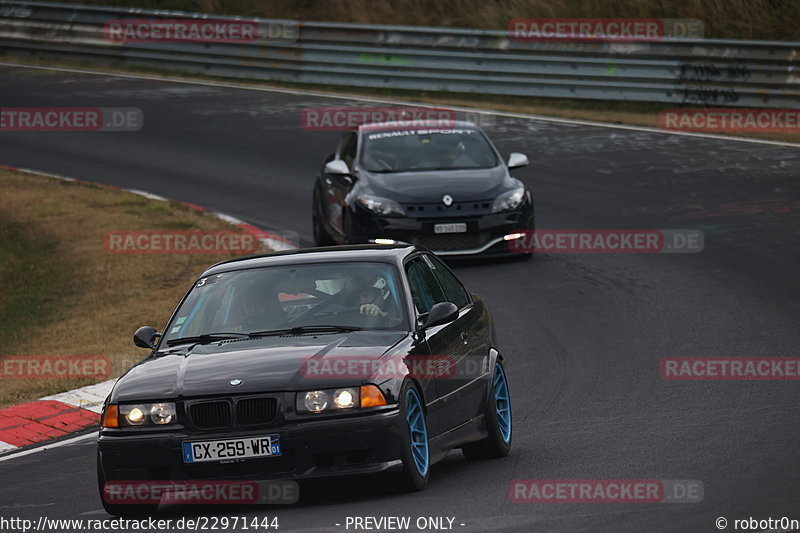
(447, 200)
(235, 382)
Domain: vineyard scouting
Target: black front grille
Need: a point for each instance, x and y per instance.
(255, 411)
(452, 241)
(211, 415)
(457, 209)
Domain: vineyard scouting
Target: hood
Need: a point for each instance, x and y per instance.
(430, 186)
(265, 364)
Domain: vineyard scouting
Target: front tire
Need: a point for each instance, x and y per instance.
(415, 447)
(498, 421)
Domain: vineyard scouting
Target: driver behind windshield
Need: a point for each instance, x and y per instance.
(368, 302)
(362, 294)
(456, 156)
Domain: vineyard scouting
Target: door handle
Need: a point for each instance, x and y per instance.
(464, 337)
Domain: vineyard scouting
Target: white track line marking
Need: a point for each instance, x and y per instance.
(306, 92)
(148, 195)
(229, 219)
(49, 446)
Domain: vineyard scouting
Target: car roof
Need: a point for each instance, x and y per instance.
(391, 253)
(427, 123)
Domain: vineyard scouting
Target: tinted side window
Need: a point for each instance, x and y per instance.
(453, 289)
(425, 290)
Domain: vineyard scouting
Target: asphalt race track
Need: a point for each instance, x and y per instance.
(583, 334)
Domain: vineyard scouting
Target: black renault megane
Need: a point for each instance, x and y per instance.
(443, 186)
(317, 362)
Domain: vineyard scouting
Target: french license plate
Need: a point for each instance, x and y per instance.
(459, 227)
(222, 450)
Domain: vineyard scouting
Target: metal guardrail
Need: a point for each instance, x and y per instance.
(691, 71)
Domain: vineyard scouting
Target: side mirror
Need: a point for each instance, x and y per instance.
(145, 337)
(441, 313)
(516, 160)
(337, 166)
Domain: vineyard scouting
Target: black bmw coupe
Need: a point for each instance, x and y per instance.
(316, 362)
(445, 187)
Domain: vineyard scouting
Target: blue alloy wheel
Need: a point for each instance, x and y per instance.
(418, 431)
(502, 401)
(498, 420)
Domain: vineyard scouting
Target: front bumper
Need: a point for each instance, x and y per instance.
(310, 448)
(486, 234)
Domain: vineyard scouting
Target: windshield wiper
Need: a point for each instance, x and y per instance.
(206, 338)
(299, 330)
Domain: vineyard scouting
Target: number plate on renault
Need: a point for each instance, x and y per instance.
(459, 227)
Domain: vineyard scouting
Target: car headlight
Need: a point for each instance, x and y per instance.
(320, 401)
(159, 414)
(509, 200)
(163, 413)
(380, 206)
(316, 401)
(344, 399)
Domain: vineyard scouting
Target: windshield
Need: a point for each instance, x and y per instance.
(345, 295)
(406, 150)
